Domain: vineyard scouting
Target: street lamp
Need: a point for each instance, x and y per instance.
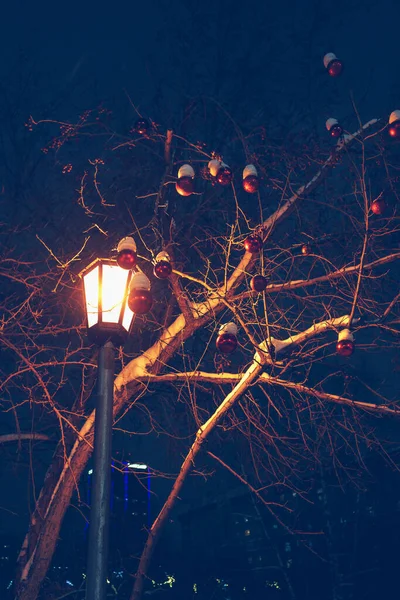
(109, 319)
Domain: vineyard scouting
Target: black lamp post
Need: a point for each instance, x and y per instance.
(109, 319)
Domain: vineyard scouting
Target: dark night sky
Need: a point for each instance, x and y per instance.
(116, 47)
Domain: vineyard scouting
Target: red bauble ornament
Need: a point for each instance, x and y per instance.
(140, 301)
(394, 130)
(258, 283)
(332, 64)
(184, 186)
(378, 206)
(253, 244)
(345, 343)
(162, 269)
(250, 179)
(334, 128)
(336, 131)
(345, 348)
(251, 184)
(142, 126)
(306, 249)
(226, 343)
(335, 68)
(126, 253)
(224, 175)
(126, 259)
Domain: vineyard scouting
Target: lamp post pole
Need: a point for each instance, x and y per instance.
(96, 583)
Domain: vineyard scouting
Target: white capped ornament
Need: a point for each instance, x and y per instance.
(250, 179)
(140, 281)
(345, 343)
(140, 298)
(231, 328)
(162, 268)
(226, 339)
(214, 166)
(186, 171)
(394, 124)
(332, 64)
(126, 253)
(334, 128)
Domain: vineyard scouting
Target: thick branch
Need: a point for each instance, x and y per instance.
(246, 380)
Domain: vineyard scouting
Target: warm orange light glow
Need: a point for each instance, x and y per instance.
(113, 292)
(91, 282)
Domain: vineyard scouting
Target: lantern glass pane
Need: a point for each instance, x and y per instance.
(128, 316)
(91, 282)
(113, 292)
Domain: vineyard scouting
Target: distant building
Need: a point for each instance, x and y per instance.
(130, 518)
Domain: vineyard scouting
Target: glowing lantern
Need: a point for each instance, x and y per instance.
(224, 175)
(334, 128)
(332, 64)
(306, 249)
(227, 340)
(345, 343)
(394, 124)
(126, 253)
(250, 179)
(253, 244)
(184, 185)
(378, 206)
(140, 299)
(142, 126)
(163, 267)
(258, 283)
(106, 288)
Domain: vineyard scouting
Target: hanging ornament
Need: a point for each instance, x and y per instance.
(253, 244)
(378, 206)
(227, 340)
(184, 185)
(250, 179)
(334, 128)
(163, 267)
(258, 283)
(332, 64)
(220, 171)
(394, 124)
(345, 343)
(126, 249)
(140, 298)
(306, 249)
(224, 175)
(214, 166)
(142, 126)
